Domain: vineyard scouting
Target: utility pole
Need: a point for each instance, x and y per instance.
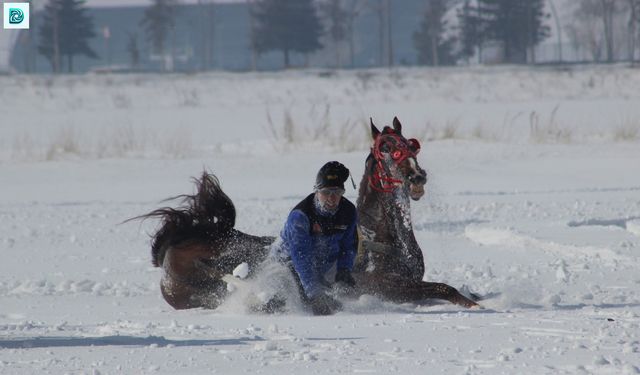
(634, 7)
(353, 12)
(387, 6)
(56, 40)
(252, 36)
(106, 34)
(207, 28)
(380, 10)
(28, 39)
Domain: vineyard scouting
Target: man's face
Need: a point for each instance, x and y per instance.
(329, 198)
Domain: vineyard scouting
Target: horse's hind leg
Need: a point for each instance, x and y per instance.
(421, 290)
(188, 281)
(401, 289)
(446, 292)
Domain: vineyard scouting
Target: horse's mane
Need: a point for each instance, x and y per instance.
(205, 215)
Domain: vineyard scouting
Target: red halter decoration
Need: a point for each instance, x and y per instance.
(402, 151)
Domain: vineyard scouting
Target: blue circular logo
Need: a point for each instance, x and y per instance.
(16, 15)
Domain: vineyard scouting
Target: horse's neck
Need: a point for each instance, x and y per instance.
(384, 216)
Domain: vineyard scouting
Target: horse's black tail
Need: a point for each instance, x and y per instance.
(206, 215)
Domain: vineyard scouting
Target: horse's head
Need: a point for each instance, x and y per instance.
(395, 161)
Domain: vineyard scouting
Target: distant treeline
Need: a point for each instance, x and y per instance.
(174, 36)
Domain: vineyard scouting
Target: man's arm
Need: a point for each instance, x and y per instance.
(301, 252)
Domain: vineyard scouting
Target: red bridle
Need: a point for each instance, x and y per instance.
(379, 180)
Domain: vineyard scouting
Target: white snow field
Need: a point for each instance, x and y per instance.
(533, 199)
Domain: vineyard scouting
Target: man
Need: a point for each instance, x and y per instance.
(320, 232)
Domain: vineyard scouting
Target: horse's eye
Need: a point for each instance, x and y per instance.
(396, 154)
(414, 145)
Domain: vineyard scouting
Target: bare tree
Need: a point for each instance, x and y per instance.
(353, 11)
(382, 8)
(632, 27)
(335, 17)
(556, 19)
(27, 38)
(133, 49)
(429, 40)
(586, 29)
(597, 24)
(607, 9)
(378, 8)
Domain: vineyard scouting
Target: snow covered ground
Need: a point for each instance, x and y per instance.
(534, 194)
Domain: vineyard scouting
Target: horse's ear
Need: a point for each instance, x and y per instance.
(374, 130)
(397, 126)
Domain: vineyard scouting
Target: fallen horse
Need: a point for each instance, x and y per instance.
(196, 244)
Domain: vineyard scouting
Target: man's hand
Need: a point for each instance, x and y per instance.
(344, 276)
(323, 304)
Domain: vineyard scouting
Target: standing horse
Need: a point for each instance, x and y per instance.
(390, 263)
(197, 244)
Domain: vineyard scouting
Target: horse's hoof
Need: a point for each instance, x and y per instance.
(466, 302)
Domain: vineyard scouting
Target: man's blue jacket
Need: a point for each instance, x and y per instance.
(315, 242)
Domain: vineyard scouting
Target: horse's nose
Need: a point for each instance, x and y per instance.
(419, 177)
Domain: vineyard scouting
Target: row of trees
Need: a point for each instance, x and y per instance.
(516, 25)
(65, 33)
(450, 31)
(603, 27)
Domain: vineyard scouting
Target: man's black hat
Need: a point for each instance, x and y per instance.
(332, 174)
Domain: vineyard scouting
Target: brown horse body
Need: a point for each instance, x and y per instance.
(197, 245)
